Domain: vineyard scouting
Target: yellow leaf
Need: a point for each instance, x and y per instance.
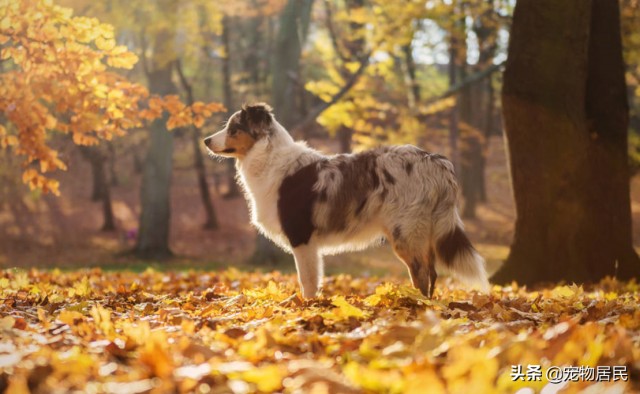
(105, 44)
(125, 60)
(372, 300)
(70, 317)
(563, 291)
(345, 309)
(267, 378)
(417, 383)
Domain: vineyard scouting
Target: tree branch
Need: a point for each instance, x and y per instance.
(320, 108)
(466, 82)
(143, 57)
(184, 82)
(332, 32)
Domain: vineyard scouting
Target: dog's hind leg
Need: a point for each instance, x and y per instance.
(310, 269)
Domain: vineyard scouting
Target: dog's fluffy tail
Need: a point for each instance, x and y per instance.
(457, 256)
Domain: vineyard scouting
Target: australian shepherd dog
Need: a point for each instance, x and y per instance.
(311, 204)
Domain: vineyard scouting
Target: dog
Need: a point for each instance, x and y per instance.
(312, 205)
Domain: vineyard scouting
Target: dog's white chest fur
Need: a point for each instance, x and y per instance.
(263, 200)
(261, 174)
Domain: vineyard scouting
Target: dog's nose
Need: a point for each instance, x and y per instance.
(207, 141)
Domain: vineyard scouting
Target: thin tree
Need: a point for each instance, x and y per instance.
(211, 221)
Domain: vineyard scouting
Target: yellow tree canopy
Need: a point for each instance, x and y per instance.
(57, 74)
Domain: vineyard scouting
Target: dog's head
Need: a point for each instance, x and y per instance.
(242, 131)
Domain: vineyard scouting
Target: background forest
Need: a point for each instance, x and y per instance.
(127, 261)
(344, 75)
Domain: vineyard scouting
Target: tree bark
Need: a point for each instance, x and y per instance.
(101, 186)
(113, 174)
(566, 117)
(155, 196)
(345, 134)
(286, 62)
(107, 209)
(211, 221)
(96, 161)
(234, 190)
(289, 40)
(410, 76)
(453, 117)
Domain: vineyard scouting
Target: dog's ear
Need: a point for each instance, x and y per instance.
(258, 117)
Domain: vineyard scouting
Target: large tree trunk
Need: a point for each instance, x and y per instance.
(153, 238)
(566, 115)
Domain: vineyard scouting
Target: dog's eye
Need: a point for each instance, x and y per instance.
(232, 131)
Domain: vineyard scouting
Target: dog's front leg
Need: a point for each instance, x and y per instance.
(310, 269)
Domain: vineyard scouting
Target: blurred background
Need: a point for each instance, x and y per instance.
(345, 75)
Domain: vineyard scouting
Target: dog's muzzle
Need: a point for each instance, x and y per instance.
(207, 142)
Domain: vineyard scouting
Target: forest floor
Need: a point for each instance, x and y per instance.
(234, 331)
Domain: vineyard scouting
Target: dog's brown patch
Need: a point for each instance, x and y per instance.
(295, 204)
(239, 143)
(358, 181)
(256, 119)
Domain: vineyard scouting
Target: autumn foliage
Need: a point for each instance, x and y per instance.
(59, 75)
(232, 331)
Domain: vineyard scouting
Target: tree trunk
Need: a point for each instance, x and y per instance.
(410, 76)
(113, 174)
(286, 62)
(488, 130)
(471, 168)
(96, 161)
(101, 186)
(155, 196)
(211, 221)
(470, 140)
(453, 117)
(345, 134)
(109, 222)
(289, 40)
(486, 29)
(234, 190)
(566, 115)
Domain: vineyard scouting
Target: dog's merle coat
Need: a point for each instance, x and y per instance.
(311, 204)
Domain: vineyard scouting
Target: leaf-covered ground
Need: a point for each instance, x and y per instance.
(231, 331)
